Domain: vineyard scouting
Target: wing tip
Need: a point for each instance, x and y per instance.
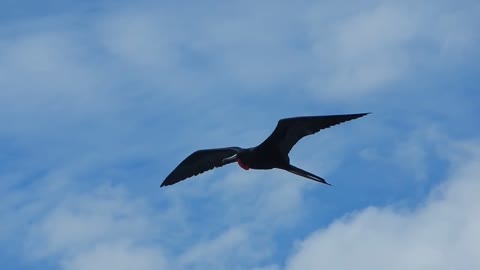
(164, 184)
(362, 114)
(356, 115)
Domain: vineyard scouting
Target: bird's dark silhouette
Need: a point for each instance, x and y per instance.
(271, 153)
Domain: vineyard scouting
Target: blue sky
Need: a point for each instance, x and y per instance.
(99, 101)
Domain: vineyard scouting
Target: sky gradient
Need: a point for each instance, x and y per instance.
(100, 100)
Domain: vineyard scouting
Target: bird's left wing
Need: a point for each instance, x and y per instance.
(290, 130)
(199, 162)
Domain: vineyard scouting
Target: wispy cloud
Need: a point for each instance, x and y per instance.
(369, 46)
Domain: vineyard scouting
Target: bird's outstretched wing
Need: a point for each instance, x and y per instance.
(290, 130)
(199, 162)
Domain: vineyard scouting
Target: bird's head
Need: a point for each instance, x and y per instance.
(238, 160)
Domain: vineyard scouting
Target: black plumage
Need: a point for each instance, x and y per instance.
(271, 153)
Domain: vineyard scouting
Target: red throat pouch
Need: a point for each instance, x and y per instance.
(240, 163)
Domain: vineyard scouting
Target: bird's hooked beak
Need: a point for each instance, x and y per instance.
(230, 159)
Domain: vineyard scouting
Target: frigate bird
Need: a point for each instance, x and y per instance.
(270, 154)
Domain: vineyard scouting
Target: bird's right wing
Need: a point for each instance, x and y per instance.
(199, 162)
(290, 130)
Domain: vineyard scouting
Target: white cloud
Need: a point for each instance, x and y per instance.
(366, 50)
(108, 226)
(412, 155)
(103, 229)
(455, 30)
(143, 38)
(83, 220)
(340, 52)
(270, 267)
(233, 248)
(273, 197)
(46, 60)
(254, 48)
(117, 256)
(96, 226)
(361, 49)
(413, 152)
(442, 233)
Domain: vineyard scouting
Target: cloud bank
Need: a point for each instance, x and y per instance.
(441, 233)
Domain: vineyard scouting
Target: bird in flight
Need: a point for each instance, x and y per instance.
(270, 154)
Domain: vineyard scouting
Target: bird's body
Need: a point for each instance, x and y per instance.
(270, 154)
(261, 158)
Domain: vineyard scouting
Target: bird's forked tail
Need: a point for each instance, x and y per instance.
(306, 174)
